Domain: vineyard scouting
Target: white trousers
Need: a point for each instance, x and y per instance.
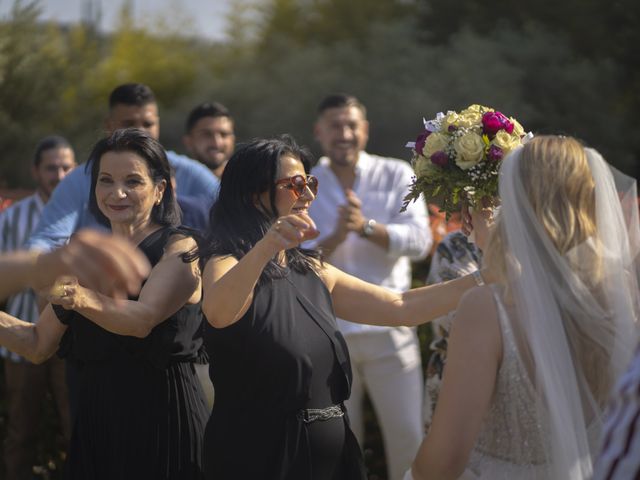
(387, 365)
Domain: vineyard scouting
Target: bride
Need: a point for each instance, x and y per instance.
(533, 357)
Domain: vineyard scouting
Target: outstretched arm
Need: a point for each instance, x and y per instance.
(34, 341)
(473, 359)
(108, 264)
(172, 284)
(361, 302)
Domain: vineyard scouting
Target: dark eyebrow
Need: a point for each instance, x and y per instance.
(134, 175)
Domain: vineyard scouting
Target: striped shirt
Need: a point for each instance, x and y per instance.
(16, 224)
(620, 454)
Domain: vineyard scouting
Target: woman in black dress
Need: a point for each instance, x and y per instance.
(278, 361)
(140, 408)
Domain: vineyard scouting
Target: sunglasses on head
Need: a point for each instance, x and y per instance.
(298, 183)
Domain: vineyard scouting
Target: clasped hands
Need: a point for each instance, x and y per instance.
(350, 218)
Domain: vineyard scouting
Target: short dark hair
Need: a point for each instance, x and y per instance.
(49, 143)
(236, 223)
(341, 100)
(207, 109)
(167, 213)
(137, 94)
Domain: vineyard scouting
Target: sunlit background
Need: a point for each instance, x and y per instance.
(207, 17)
(565, 67)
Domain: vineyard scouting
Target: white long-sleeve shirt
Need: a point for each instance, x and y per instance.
(381, 184)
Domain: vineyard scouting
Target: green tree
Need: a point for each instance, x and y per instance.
(31, 58)
(592, 33)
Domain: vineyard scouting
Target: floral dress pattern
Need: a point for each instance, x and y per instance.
(454, 257)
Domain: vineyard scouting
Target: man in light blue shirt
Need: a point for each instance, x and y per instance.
(131, 105)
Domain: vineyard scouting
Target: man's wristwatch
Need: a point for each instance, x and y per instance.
(368, 228)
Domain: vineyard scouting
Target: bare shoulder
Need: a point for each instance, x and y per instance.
(219, 260)
(327, 273)
(478, 296)
(179, 243)
(477, 317)
(217, 266)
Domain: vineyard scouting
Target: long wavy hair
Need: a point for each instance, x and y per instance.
(556, 176)
(560, 188)
(238, 219)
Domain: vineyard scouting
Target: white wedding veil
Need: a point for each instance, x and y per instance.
(574, 306)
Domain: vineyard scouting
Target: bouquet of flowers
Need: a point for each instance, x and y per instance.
(459, 154)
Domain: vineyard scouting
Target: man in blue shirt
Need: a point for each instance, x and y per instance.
(131, 105)
(210, 139)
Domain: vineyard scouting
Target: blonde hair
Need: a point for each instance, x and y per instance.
(555, 174)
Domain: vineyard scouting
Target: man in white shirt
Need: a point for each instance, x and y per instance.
(364, 233)
(26, 383)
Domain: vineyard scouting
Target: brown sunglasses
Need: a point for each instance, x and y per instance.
(298, 183)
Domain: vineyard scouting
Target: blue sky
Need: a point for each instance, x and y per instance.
(204, 18)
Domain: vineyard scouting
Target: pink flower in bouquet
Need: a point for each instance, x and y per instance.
(495, 153)
(440, 158)
(493, 122)
(420, 141)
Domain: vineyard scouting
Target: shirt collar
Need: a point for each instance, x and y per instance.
(362, 165)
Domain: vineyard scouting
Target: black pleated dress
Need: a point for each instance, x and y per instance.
(285, 354)
(141, 411)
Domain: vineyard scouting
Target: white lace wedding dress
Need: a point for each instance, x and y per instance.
(512, 443)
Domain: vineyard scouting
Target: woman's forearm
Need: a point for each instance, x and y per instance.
(122, 317)
(18, 336)
(36, 342)
(421, 305)
(18, 272)
(358, 301)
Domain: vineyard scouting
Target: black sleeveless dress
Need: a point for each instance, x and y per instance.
(141, 411)
(285, 354)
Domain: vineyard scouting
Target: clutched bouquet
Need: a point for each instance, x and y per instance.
(458, 156)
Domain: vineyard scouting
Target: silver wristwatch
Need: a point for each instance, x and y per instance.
(368, 228)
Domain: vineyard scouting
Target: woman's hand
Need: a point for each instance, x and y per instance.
(290, 231)
(69, 294)
(105, 263)
(479, 220)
